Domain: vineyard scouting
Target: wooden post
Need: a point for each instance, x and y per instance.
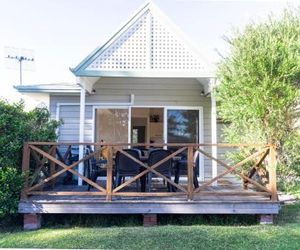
(149, 220)
(81, 130)
(32, 221)
(272, 173)
(25, 169)
(214, 149)
(109, 174)
(190, 173)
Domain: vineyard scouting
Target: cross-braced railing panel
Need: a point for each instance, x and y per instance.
(46, 158)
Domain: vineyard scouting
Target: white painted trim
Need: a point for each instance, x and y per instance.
(81, 132)
(214, 137)
(129, 124)
(57, 112)
(147, 73)
(87, 82)
(165, 125)
(201, 138)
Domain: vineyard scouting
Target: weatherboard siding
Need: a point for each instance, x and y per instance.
(147, 92)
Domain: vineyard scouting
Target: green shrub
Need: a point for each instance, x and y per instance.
(16, 127)
(11, 182)
(259, 90)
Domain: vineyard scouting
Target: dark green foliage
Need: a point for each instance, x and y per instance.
(259, 89)
(16, 127)
(11, 182)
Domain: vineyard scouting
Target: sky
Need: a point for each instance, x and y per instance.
(63, 32)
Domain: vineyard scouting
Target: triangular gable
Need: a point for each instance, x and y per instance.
(149, 42)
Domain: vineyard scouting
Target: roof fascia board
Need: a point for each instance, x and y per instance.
(146, 73)
(47, 91)
(37, 89)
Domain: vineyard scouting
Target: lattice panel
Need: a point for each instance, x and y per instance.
(128, 52)
(139, 49)
(169, 53)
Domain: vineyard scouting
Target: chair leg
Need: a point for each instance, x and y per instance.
(176, 180)
(118, 180)
(137, 185)
(93, 178)
(143, 181)
(195, 180)
(169, 186)
(149, 182)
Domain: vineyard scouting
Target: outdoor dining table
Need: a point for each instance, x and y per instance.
(177, 160)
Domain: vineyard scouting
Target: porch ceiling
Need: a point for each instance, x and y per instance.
(88, 83)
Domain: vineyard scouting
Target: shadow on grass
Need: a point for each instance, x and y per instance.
(211, 219)
(290, 213)
(118, 220)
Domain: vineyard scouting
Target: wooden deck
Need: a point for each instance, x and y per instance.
(226, 198)
(50, 196)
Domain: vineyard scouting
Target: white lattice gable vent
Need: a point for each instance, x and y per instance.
(150, 42)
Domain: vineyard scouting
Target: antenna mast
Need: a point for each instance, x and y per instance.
(20, 56)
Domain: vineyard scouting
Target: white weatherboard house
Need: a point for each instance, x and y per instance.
(147, 83)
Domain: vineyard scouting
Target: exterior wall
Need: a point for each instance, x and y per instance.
(147, 92)
(33, 100)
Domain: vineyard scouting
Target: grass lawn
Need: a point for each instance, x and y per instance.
(285, 234)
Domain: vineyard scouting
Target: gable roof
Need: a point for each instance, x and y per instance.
(149, 44)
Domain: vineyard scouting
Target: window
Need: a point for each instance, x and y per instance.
(182, 126)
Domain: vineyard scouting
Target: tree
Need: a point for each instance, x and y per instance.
(259, 87)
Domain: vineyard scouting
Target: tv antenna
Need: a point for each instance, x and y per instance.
(22, 59)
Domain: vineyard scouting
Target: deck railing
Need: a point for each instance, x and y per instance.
(45, 158)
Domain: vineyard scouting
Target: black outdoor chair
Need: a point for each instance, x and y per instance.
(73, 157)
(93, 170)
(156, 155)
(181, 169)
(126, 166)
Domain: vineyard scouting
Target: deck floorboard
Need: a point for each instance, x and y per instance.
(201, 204)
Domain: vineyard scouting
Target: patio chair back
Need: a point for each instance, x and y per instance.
(125, 165)
(157, 155)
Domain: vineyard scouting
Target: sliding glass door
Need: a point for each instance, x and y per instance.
(112, 125)
(183, 125)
